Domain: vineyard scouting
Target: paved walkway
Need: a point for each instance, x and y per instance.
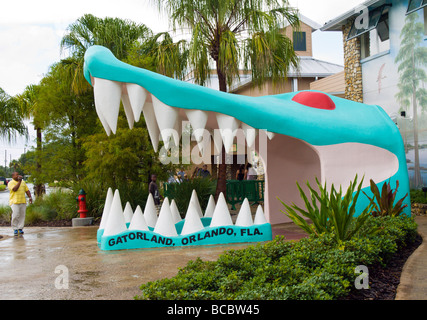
(413, 282)
(32, 266)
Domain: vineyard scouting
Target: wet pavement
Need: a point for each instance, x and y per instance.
(33, 266)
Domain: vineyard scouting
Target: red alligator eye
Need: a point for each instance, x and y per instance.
(316, 100)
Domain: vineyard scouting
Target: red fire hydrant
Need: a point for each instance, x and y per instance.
(82, 203)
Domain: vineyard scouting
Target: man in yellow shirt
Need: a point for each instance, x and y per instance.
(18, 188)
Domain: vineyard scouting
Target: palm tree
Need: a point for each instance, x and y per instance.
(11, 120)
(116, 34)
(230, 33)
(28, 102)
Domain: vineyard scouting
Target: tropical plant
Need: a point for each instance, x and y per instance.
(230, 33)
(336, 213)
(28, 102)
(11, 118)
(116, 34)
(384, 202)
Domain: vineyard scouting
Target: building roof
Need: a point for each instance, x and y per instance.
(313, 24)
(309, 67)
(337, 23)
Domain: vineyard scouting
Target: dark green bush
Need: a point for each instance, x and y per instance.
(181, 192)
(418, 196)
(315, 268)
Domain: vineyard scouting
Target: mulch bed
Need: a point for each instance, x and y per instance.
(383, 281)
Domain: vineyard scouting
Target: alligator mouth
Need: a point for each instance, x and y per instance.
(299, 136)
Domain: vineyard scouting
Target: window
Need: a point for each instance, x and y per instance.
(300, 41)
(375, 18)
(415, 5)
(383, 29)
(372, 44)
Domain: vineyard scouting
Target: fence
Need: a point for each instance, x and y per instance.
(236, 192)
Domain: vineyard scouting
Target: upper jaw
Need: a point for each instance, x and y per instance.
(169, 101)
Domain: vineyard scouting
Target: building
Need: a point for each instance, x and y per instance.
(310, 69)
(310, 76)
(385, 64)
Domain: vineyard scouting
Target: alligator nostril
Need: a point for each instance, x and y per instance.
(316, 100)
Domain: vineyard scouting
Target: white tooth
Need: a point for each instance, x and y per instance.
(138, 221)
(107, 101)
(221, 216)
(128, 213)
(150, 121)
(176, 133)
(99, 113)
(107, 207)
(217, 139)
(250, 134)
(175, 212)
(150, 212)
(192, 221)
(228, 127)
(166, 118)
(270, 135)
(199, 134)
(165, 225)
(244, 219)
(196, 202)
(103, 121)
(210, 207)
(198, 119)
(128, 110)
(137, 98)
(259, 216)
(116, 220)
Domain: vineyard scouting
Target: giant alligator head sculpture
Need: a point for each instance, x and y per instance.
(310, 134)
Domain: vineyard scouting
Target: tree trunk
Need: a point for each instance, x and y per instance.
(222, 168)
(417, 172)
(39, 187)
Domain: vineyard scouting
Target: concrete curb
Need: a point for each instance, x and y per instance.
(413, 281)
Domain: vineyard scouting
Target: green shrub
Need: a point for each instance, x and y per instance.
(418, 196)
(136, 193)
(2, 187)
(314, 268)
(181, 192)
(336, 214)
(33, 215)
(5, 213)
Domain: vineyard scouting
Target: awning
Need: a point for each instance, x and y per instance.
(415, 5)
(375, 19)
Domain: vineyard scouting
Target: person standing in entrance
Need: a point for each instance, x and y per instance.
(154, 190)
(18, 188)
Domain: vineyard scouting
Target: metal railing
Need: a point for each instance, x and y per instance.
(237, 191)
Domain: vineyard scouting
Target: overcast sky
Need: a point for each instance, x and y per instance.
(31, 30)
